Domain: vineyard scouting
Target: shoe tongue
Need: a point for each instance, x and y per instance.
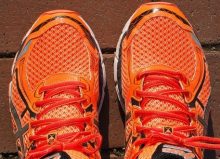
(60, 77)
(162, 106)
(66, 155)
(63, 111)
(166, 151)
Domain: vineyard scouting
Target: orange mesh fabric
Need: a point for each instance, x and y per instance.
(77, 155)
(16, 99)
(161, 41)
(125, 74)
(128, 150)
(14, 126)
(64, 112)
(200, 127)
(128, 131)
(147, 151)
(60, 49)
(26, 139)
(18, 103)
(205, 91)
(163, 106)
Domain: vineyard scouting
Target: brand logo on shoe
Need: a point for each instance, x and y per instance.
(168, 130)
(51, 138)
(184, 152)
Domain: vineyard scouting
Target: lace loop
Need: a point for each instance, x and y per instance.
(180, 135)
(67, 141)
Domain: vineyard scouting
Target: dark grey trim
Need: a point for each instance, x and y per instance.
(32, 114)
(20, 130)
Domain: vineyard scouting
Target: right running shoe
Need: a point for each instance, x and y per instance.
(162, 79)
(57, 89)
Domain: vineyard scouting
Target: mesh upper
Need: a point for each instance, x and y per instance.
(64, 112)
(163, 106)
(16, 98)
(59, 49)
(206, 90)
(162, 41)
(18, 103)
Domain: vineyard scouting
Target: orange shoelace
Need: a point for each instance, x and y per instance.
(43, 127)
(155, 135)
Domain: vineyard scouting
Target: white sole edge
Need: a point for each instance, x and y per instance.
(116, 60)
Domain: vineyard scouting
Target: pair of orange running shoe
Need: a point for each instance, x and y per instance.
(161, 75)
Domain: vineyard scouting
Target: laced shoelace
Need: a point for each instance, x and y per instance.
(178, 135)
(43, 127)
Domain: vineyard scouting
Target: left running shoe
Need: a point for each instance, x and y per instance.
(57, 89)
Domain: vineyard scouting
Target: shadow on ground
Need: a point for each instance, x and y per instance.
(104, 125)
(210, 154)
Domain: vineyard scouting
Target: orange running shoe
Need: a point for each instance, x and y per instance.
(57, 89)
(162, 79)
